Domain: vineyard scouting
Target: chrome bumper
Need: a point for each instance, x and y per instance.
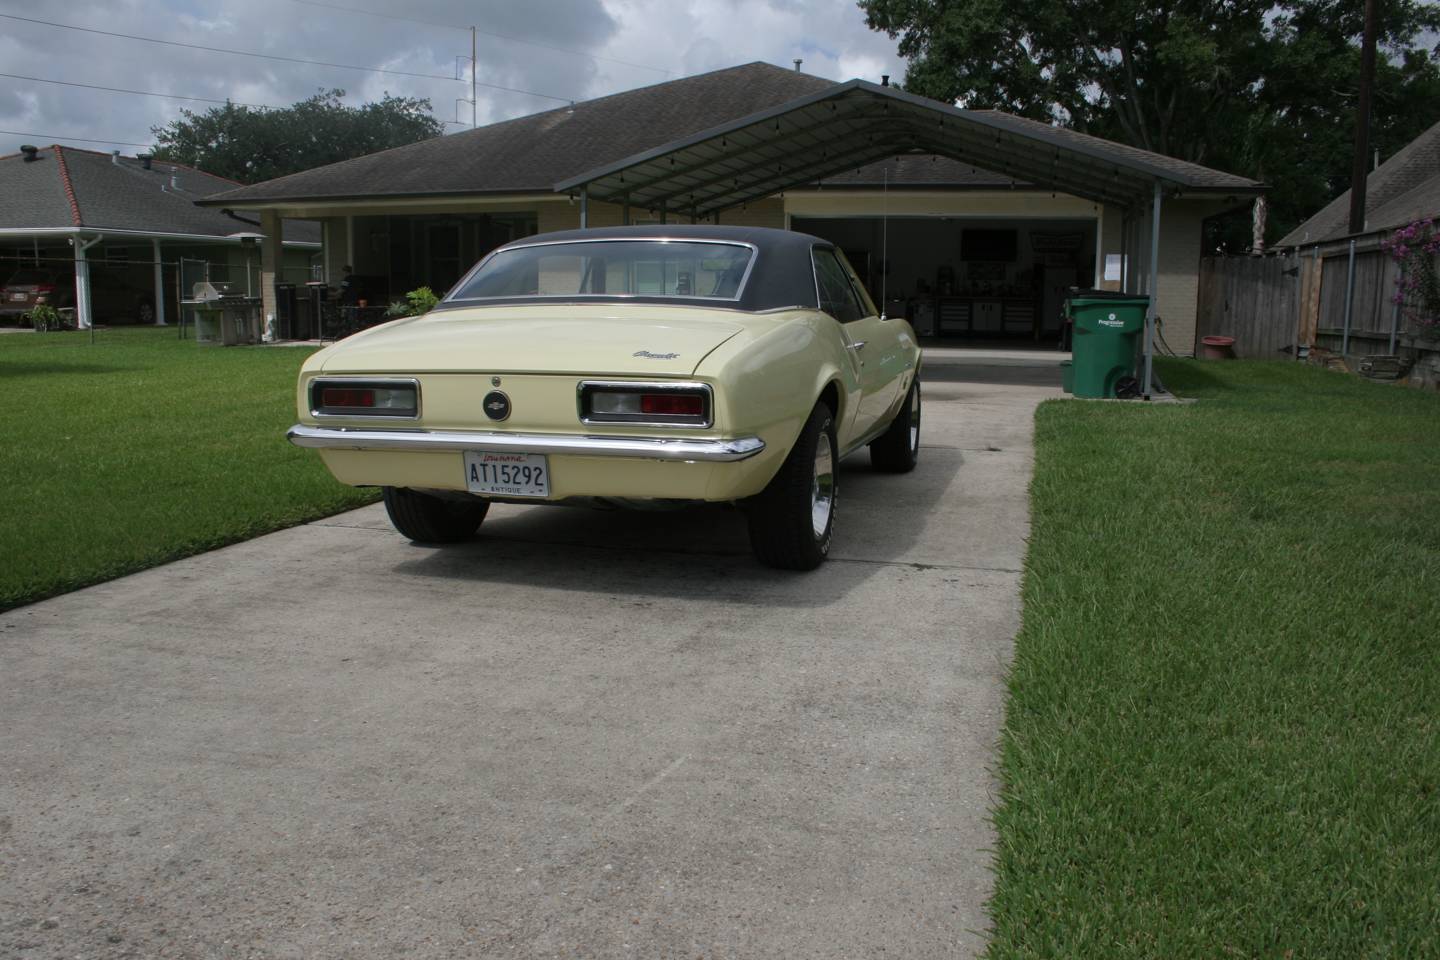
(436, 441)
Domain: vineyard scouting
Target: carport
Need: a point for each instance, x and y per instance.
(800, 143)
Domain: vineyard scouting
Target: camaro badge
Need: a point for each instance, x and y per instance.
(496, 405)
(647, 355)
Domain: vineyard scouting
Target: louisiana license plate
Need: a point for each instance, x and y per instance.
(507, 474)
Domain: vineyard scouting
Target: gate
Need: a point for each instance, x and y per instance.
(1256, 300)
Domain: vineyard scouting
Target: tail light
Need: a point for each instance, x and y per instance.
(659, 404)
(365, 398)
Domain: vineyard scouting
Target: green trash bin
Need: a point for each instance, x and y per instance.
(1067, 376)
(1106, 328)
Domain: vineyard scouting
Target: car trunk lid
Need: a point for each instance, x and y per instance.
(584, 339)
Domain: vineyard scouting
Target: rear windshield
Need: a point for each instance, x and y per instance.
(22, 277)
(682, 269)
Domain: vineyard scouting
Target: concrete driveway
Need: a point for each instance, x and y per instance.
(585, 735)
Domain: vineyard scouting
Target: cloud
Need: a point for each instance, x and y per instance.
(577, 49)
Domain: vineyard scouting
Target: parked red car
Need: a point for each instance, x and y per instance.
(112, 297)
(28, 288)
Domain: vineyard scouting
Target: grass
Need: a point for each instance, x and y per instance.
(141, 448)
(1223, 733)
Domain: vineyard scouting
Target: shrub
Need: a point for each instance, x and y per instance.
(417, 301)
(45, 317)
(1417, 289)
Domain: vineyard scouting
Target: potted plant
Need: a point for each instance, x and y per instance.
(417, 301)
(44, 317)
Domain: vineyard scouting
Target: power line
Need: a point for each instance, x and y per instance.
(271, 56)
(172, 96)
(386, 16)
(53, 137)
(141, 93)
(487, 33)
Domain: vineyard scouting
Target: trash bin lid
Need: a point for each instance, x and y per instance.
(1106, 295)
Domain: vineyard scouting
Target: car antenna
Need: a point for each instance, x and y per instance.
(884, 241)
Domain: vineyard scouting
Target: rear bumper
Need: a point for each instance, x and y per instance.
(679, 449)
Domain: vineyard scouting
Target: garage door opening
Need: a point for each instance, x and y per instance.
(968, 279)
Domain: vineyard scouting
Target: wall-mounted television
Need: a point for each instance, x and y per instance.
(992, 245)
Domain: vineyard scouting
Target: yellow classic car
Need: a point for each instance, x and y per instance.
(634, 366)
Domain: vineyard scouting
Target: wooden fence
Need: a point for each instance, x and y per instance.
(1372, 311)
(1273, 306)
(1256, 300)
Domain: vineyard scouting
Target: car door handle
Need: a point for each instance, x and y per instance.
(856, 345)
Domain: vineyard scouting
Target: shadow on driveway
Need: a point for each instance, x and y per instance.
(680, 554)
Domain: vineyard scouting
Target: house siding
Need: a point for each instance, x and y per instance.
(1181, 235)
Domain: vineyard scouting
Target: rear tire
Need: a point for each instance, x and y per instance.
(793, 518)
(426, 519)
(897, 450)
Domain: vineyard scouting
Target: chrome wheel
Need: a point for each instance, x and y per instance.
(792, 518)
(822, 488)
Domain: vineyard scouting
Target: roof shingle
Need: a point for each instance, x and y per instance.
(535, 153)
(68, 187)
(1403, 189)
(530, 154)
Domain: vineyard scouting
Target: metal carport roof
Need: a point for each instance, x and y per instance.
(858, 122)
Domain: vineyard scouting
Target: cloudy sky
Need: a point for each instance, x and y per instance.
(565, 49)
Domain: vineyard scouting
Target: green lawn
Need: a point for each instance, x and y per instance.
(141, 448)
(1223, 733)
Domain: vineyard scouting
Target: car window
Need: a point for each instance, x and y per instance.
(614, 268)
(867, 302)
(20, 277)
(837, 296)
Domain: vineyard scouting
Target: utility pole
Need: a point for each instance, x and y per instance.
(473, 63)
(1362, 121)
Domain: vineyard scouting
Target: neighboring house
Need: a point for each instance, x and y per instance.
(973, 222)
(1400, 191)
(1347, 282)
(109, 234)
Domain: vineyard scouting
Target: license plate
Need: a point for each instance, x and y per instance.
(507, 474)
(19, 296)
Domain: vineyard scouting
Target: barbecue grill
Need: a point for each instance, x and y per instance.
(223, 316)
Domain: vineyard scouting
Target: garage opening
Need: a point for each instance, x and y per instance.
(963, 278)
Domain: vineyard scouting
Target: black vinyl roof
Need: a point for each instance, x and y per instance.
(782, 275)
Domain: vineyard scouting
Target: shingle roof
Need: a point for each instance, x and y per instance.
(1417, 203)
(1404, 188)
(68, 187)
(33, 194)
(533, 154)
(529, 154)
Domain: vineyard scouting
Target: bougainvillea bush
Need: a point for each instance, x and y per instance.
(1417, 289)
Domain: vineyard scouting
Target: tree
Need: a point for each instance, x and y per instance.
(253, 144)
(1262, 88)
